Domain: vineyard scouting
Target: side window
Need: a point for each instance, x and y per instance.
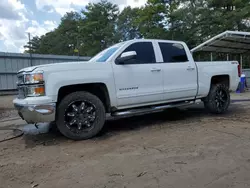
(173, 52)
(145, 52)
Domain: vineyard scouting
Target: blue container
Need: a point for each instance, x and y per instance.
(242, 84)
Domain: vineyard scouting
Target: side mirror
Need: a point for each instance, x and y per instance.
(126, 56)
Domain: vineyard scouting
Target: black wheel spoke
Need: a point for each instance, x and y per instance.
(79, 125)
(220, 104)
(82, 107)
(223, 100)
(91, 117)
(89, 109)
(71, 114)
(87, 123)
(74, 107)
(73, 121)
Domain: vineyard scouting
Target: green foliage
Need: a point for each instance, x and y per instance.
(127, 27)
(97, 29)
(101, 24)
(34, 45)
(61, 41)
(152, 19)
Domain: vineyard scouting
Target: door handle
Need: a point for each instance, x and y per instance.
(190, 68)
(155, 70)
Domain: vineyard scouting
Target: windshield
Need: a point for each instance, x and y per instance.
(107, 53)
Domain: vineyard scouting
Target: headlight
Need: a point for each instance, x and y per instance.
(33, 78)
(31, 84)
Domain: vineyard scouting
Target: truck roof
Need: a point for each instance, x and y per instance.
(157, 40)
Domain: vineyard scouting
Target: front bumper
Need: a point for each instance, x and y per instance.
(36, 113)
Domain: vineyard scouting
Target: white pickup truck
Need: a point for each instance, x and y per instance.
(128, 78)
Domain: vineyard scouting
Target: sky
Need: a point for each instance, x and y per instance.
(37, 17)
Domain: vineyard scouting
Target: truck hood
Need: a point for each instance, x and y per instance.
(66, 66)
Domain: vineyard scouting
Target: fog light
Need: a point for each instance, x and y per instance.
(34, 91)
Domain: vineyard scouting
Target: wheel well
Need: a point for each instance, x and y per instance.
(98, 89)
(222, 79)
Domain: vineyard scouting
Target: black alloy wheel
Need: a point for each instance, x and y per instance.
(218, 99)
(80, 115)
(221, 99)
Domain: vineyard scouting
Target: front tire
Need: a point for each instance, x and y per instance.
(80, 115)
(218, 99)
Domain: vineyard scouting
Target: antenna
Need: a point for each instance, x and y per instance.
(31, 63)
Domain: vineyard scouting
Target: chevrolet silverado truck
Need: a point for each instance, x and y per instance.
(128, 78)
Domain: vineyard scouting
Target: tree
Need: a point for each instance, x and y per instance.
(195, 21)
(233, 13)
(101, 24)
(152, 19)
(184, 21)
(33, 45)
(61, 41)
(68, 29)
(51, 43)
(97, 29)
(127, 28)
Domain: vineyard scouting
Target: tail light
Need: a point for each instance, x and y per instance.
(239, 70)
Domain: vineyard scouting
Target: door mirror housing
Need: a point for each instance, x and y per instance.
(126, 56)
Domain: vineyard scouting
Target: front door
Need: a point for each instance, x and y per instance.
(139, 81)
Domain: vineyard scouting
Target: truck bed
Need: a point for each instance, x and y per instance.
(206, 70)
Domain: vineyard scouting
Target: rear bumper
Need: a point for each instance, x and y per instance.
(36, 113)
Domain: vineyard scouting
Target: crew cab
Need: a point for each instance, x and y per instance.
(128, 78)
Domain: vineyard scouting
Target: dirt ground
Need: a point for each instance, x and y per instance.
(171, 149)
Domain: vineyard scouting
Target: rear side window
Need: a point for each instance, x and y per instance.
(145, 52)
(173, 52)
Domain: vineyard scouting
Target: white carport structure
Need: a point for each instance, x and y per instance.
(228, 42)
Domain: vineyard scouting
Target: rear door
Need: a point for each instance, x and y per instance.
(179, 72)
(139, 81)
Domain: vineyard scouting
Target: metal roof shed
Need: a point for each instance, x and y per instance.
(227, 42)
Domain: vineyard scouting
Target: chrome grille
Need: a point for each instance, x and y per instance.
(21, 92)
(20, 79)
(20, 88)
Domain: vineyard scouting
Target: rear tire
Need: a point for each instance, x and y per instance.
(80, 115)
(218, 99)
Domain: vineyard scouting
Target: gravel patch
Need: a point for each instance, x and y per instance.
(8, 114)
(7, 110)
(174, 148)
(6, 102)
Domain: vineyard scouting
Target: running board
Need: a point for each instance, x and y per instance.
(151, 109)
